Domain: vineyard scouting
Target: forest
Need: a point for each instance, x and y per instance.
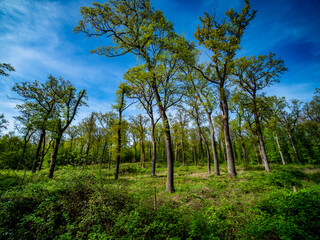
(208, 156)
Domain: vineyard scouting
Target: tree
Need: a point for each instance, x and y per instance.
(312, 109)
(136, 78)
(139, 123)
(40, 100)
(253, 74)
(25, 126)
(65, 111)
(277, 106)
(4, 68)
(3, 122)
(120, 106)
(203, 91)
(290, 120)
(222, 39)
(135, 27)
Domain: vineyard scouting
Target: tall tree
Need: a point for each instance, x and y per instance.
(253, 74)
(41, 101)
(66, 109)
(120, 106)
(222, 40)
(134, 27)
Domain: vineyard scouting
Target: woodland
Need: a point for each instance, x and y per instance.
(212, 156)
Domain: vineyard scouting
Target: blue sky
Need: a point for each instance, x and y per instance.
(36, 37)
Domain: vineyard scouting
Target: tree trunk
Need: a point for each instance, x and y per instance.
(54, 156)
(183, 154)
(261, 141)
(159, 140)
(36, 158)
(142, 155)
(154, 150)
(194, 156)
(225, 118)
(206, 146)
(293, 146)
(42, 153)
(214, 148)
(279, 148)
(116, 172)
(167, 140)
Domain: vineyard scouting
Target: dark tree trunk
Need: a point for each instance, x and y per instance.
(154, 149)
(194, 156)
(42, 153)
(54, 156)
(118, 150)
(159, 139)
(36, 158)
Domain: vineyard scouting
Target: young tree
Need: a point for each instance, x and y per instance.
(120, 106)
(65, 111)
(134, 27)
(41, 101)
(139, 123)
(253, 74)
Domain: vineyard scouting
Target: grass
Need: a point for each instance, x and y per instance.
(85, 204)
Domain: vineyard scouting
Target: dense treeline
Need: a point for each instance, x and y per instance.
(211, 112)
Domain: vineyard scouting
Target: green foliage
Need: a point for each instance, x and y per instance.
(82, 204)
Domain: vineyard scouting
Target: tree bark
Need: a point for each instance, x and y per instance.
(293, 146)
(225, 118)
(279, 148)
(54, 156)
(43, 152)
(36, 158)
(154, 149)
(167, 140)
(214, 148)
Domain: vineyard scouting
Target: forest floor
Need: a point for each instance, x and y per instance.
(90, 204)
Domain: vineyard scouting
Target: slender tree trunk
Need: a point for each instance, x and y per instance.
(109, 159)
(293, 146)
(54, 156)
(135, 150)
(183, 154)
(194, 156)
(176, 152)
(116, 173)
(201, 150)
(36, 158)
(142, 155)
(279, 148)
(206, 146)
(154, 149)
(214, 148)
(225, 118)
(42, 153)
(261, 140)
(23, 152)
(159, 140)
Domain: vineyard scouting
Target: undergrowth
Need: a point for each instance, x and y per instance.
(89, 204)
